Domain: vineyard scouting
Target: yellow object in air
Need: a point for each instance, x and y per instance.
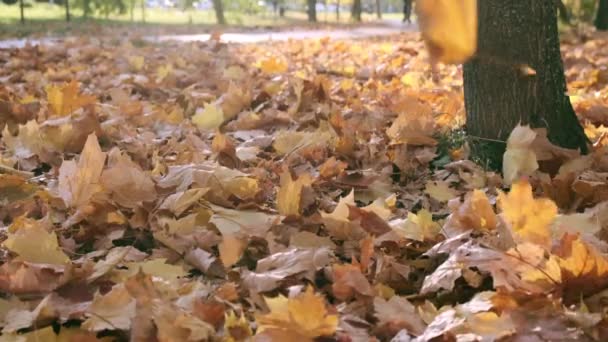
(449, 28)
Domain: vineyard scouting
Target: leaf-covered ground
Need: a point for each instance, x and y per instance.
(293, 191)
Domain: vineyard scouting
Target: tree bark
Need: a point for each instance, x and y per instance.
(86, 8)
(378, 9)
(564, 15)
(338, 11)
(312, 10)
(22, 15)
(601, 19)
(67, 10)
(517, 77)
(143, 11)
(218, 6)
(356, 10)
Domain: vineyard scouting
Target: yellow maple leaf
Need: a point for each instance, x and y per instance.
(449, 28)
(529, 219)
(304, 316)
(32, 242)
(65, 99)
(519, 158)
(577, 259)
(272, 65)
(210, 117)
(289, 197)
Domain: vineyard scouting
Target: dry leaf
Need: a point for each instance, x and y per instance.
(78, 182)
(289, 196)
(449, 28)
(529, 219)
(65, 99)
(303, 317)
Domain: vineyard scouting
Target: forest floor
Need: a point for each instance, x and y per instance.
(299, 190)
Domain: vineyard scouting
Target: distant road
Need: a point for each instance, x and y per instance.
(387, 27)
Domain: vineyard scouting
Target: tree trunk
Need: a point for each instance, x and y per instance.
(516, 77)
(564, 16)
(21, 12)
(86, 8)
(378, 9)
(312, 10)
(143, 11)
(601, 20)
(338, 11)
(67, 10)
(356, 10)
(218, 6)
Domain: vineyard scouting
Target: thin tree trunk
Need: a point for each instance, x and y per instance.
(338, 10)
(132, 10)
(21, 12)
(601, 19)
(86, 8)
(143, 11)
(67, 10)
(378, 9)
(312, 11)
(356, 10)
(517, 77)
(218, 6)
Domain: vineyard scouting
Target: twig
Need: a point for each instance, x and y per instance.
(8, 169)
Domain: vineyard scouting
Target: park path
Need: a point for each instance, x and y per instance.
(386, 27)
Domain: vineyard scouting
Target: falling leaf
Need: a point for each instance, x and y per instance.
(304, 317)
(449, 28)
(529, 219)
(519, 158)
(65, 99)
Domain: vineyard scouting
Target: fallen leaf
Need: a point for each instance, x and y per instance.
(529, 219)
(66, 98)
(78, 182)
(304, 317)
(289, 196)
